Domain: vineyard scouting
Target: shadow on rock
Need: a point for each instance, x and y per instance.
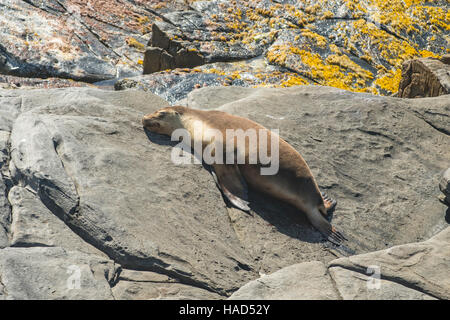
(160, 139)
(447, 216)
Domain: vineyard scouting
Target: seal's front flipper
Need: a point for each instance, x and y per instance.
(230, 181)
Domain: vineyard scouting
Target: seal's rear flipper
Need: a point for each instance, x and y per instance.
(321, 224)
(230, 181)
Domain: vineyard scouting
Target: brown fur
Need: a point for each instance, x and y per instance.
(294, 183)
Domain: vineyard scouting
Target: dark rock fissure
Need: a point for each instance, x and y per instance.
(441, 130)
(3, 288)
(334, 284)
(8, 183)
(46, 9)
(31, 245)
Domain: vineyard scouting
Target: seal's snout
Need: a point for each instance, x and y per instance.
(149, 122)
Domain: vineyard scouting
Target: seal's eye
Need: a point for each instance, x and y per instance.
(162, 114)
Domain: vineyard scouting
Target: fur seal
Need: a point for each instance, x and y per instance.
(293, 183)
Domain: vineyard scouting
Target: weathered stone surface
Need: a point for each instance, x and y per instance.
(52, 273)
(326, 42)
(73, 39)
(303, 281)
(33, 224)
(415, 271)
(422, 266)
(175, 85)
(424, 78)
(358, 286)
(138, 285)
(12, 82)
(156, 59)
(83, 155)
(5, 214)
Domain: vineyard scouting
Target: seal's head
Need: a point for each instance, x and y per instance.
(163, 121)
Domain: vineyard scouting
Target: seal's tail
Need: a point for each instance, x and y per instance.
(321, 224)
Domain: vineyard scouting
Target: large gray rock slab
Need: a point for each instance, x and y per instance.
(146, 285)
(414, 271)
(381, 158)
(303, 281)
(422, 266)
(33, 224)
(82, 156)
(88, 159)
(358, 286)
(54, 273)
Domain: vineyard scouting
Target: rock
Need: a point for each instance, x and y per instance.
(303, 281)
(54, 273)
(156, 59)
(358, 286)
(326, 43)
(445, 59)
(174, 87)
(68, 39)
(384, 146)
(444, 186)
(5, 214)
(33, 224)
(419, 266)
(138, 285)
(11, 82)
(406, 272)
(81, 155)
(5, 209)
(57, 153)
(424, 78)
(301, 42)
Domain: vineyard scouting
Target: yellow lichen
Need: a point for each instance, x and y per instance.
(390, 81)
(132, 42)
(426, 54)
(321, 41)
(294, 81)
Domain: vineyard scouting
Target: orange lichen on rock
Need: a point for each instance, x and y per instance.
(132, 42)
(390, 81)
